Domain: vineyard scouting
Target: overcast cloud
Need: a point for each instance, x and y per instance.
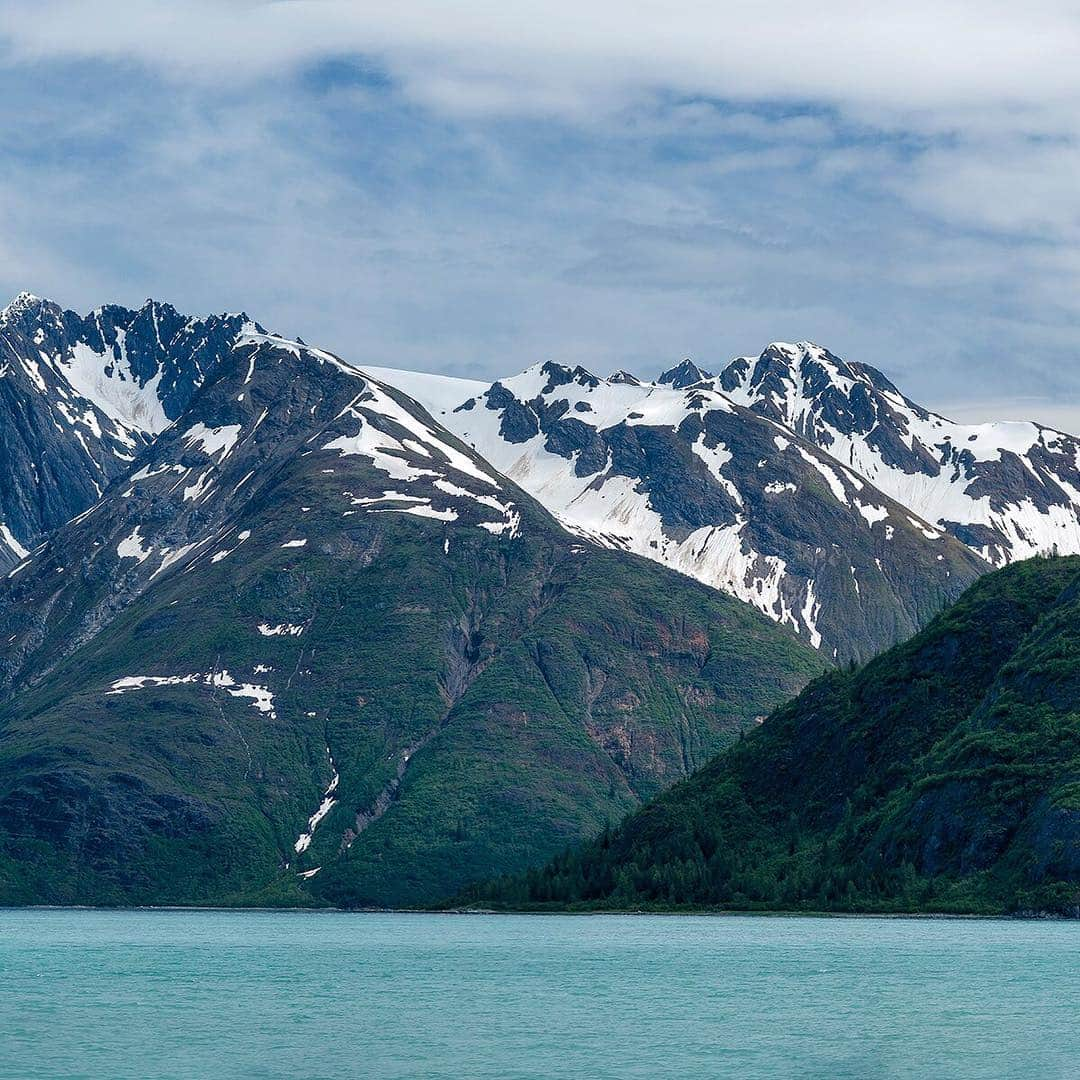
(473, 186)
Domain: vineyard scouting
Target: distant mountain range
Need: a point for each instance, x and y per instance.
(806, 486)
(943, 776)
(296, 630)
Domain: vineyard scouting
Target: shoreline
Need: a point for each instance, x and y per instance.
(640, 913)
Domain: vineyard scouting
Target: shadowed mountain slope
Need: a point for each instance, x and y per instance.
(81, 396)
(943, 776)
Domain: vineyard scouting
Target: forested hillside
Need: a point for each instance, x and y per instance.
(942, 776)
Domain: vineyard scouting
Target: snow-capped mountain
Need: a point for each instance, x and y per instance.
(81, 396)
(270, 404)
(1008, 490)
(683, 375)
(311, 616)
(807, 487)
(312, 645)
(679, 473)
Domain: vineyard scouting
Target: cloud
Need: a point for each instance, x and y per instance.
(919, 57)
(474, 186)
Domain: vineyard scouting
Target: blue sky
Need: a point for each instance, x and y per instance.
(473, 187)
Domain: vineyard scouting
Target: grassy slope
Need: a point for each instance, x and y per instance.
(499, 702)
(942, 776)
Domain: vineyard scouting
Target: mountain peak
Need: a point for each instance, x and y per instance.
(798, 353)
(818, 369)
(785, 370)
(24, 302)
(683, 375)
(23, 299)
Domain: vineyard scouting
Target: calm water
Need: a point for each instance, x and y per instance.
(219, 994)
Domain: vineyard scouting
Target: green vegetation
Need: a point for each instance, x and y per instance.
(944, 776)
(486, 704)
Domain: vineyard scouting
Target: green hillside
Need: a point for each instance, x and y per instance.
(463, 698)
(942, 776)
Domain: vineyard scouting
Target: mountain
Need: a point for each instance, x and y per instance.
(683, 375)
(1007, 490)
(81, 396)
(686, 477)
(672, 471)
(292, 631)
(942, 776)
(311, 648)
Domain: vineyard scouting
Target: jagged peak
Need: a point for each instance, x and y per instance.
(545, 376)
(624, 377)
(796, 352)
(151, 305)
(683, 375)
(22, 303)
(875, 377)
(24, 298)
(820, 369)
(802, 361)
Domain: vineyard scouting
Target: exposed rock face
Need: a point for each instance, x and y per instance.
(804, 485)
(714, 490)
(313, 617)
(80, 396)
(682, 375)
(1007, 490)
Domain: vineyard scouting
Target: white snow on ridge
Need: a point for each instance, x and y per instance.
(871, 512)
(131, 547)
(810, 611)
(146, 472)
(832, 477)
(1026, 530)
(169, 556)
(437, 393)
(391, 454)
(423, 508)
(280, 630)
(225, 552)
(114, 388)
(383, 446)
(609, 509)
(203, 483)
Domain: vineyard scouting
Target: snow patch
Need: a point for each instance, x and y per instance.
(280, 630)
(872, 513)
(303, 841)
(13, 544)
(212, 440)
(107, 380)
(261, 697)
(131, 547)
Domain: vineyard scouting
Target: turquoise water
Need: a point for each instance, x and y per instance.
(144, 994)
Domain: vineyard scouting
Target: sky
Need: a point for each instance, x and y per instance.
(472, 187)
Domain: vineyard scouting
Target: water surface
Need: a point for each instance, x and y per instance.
(179, 994)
